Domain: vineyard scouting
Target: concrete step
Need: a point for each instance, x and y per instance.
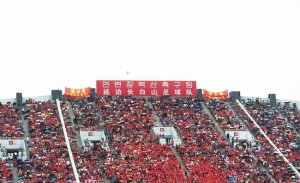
(183, 167)
(26, 135)
(78, 139)
(252, 153)
(157, 118)
(205, 108)
(15, 173)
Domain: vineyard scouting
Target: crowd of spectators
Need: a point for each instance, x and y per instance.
(134, 154)
(10, 121)
(271, 121)
(223, 115)
(204, 150)
(88, 160)
(5, 172)
(48, 156)
(10, 128)
(86, 115)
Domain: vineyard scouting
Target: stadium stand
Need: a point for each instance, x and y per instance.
(6, 174)
(48, 159)
(113, 140)
(280, 131)
(135, 155)
(88, 159)
(205, 152)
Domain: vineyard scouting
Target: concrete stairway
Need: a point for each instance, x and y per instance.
(220, 130)
(15, 173)
(154, 113)
(78, 139)
(183, 167)
(251, 151)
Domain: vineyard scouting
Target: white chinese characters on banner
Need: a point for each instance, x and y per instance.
(142, 92)
(130, 92)
(118, 92)
(146, 88)
(188, 92)
(154, 92)
(106, 92)
(177, 92)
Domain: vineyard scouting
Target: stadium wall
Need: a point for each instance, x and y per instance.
(49, 97)
(37, 98)
(4, 101)
(255, 98)
(282, 101)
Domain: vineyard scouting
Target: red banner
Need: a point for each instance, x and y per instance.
(77, 93)
(215, 95)
(146, 88)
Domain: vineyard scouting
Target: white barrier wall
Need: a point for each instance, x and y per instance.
(254, 98)
(169, 132)
(92, 135)
(39, 98)
(12, 144)
(240, 134)
(4, 101)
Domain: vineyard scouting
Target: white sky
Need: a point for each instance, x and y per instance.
(249, 46)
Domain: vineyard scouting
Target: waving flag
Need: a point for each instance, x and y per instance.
(77, 93)
(208, 95)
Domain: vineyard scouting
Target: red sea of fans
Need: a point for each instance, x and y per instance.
(134, 153)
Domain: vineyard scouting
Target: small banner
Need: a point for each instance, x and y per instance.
(77, 93)
(215, 95)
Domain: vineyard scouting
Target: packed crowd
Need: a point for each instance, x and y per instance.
(87, 160)
(204, 151)
(135, 155)
(291, 113)
(86, 115)
(5, 172)
(10, 121)
(280, 131)
(48, 156)
(223, 115)
(10, 128)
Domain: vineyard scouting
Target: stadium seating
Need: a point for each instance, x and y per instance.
(5, 172)
(205, 152)
(10, 122)
(279, 131)
(87, 161)
(135, 154)
(48, 153)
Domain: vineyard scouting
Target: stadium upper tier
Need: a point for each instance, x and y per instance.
(148, 139)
